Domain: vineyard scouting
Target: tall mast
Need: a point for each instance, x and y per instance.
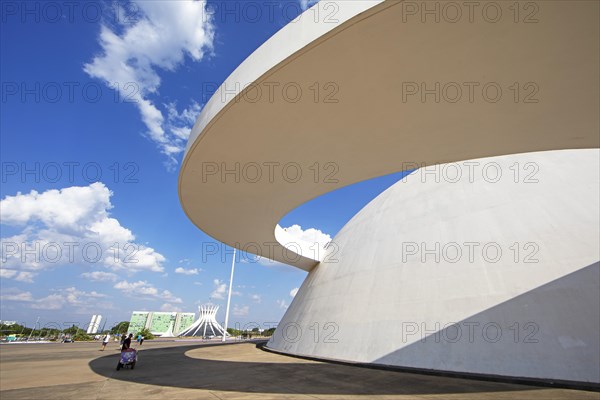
(229, 295)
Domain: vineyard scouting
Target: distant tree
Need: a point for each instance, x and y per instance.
(81, 336)
(269, 332)
(73, 330)
(14, 329)
(255, 330)
(146, 334)
(48, 332)
(234, 332)
(121, 327)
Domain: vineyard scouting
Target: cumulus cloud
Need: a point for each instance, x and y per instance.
(183, 271)
(220, 289)
(170, 308)
(21, 276)
(147, 290)
(67, 209)
(78, 300)
(14, 294)
(311, 242)
(70, 226)
(257, 298)
(293, 292)
(310, 235)
(240, 311)
(282, 304)
(99, 276)
(164, 34)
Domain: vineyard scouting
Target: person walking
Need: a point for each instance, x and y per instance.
(127, 342)
(141, 340)
(105, 341)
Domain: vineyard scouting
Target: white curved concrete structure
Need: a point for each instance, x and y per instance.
(206, 323)
(331, 103)
(532, 310)
(372, 58)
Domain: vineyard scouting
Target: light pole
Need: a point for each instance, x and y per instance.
(229, 296)
(31, 333)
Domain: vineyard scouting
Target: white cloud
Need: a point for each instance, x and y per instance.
(72, 297)
(14, 294)
(145, 289)
(100, 276)
(240, 311)
(78, 301)
(70, 226)
(67, 209)
(7, 273)
(170, 308)
(191, 271)
(293, 292)
(257, 298)
(164, 34)
(220, 290)
(21, 276)
(310, 235)
(282, 304)
(51, 302)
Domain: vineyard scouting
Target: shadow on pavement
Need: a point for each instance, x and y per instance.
(172, 368)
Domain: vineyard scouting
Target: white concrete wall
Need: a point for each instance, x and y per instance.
(377, 300)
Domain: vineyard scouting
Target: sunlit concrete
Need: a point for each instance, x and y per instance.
(240, 371)
(485, 267)
(373, 63)
(379, 89)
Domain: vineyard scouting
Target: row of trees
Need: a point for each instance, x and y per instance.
(122, 328)
(54, 332)
(252, 333)
(78, 334)
(49, 332)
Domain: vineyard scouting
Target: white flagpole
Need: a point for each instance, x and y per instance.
(38, 320)
(229, 296)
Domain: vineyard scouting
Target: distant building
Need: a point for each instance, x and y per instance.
(207, 324)
(161, 323)
(94, 324)
(8, 323)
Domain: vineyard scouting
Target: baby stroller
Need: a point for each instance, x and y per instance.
(128, 358)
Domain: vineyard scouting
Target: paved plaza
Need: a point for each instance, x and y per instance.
(196, 370)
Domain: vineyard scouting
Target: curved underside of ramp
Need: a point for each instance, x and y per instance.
(394, 92)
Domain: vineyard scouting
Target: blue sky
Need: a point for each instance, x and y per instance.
(97, 102)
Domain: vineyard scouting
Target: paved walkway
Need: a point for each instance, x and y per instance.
(191, 370)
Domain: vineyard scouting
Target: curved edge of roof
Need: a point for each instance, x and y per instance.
(287, 43)
(544, 127)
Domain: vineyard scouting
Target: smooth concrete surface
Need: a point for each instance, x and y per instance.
(494, 271)
(388, 98)
(186, 370)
